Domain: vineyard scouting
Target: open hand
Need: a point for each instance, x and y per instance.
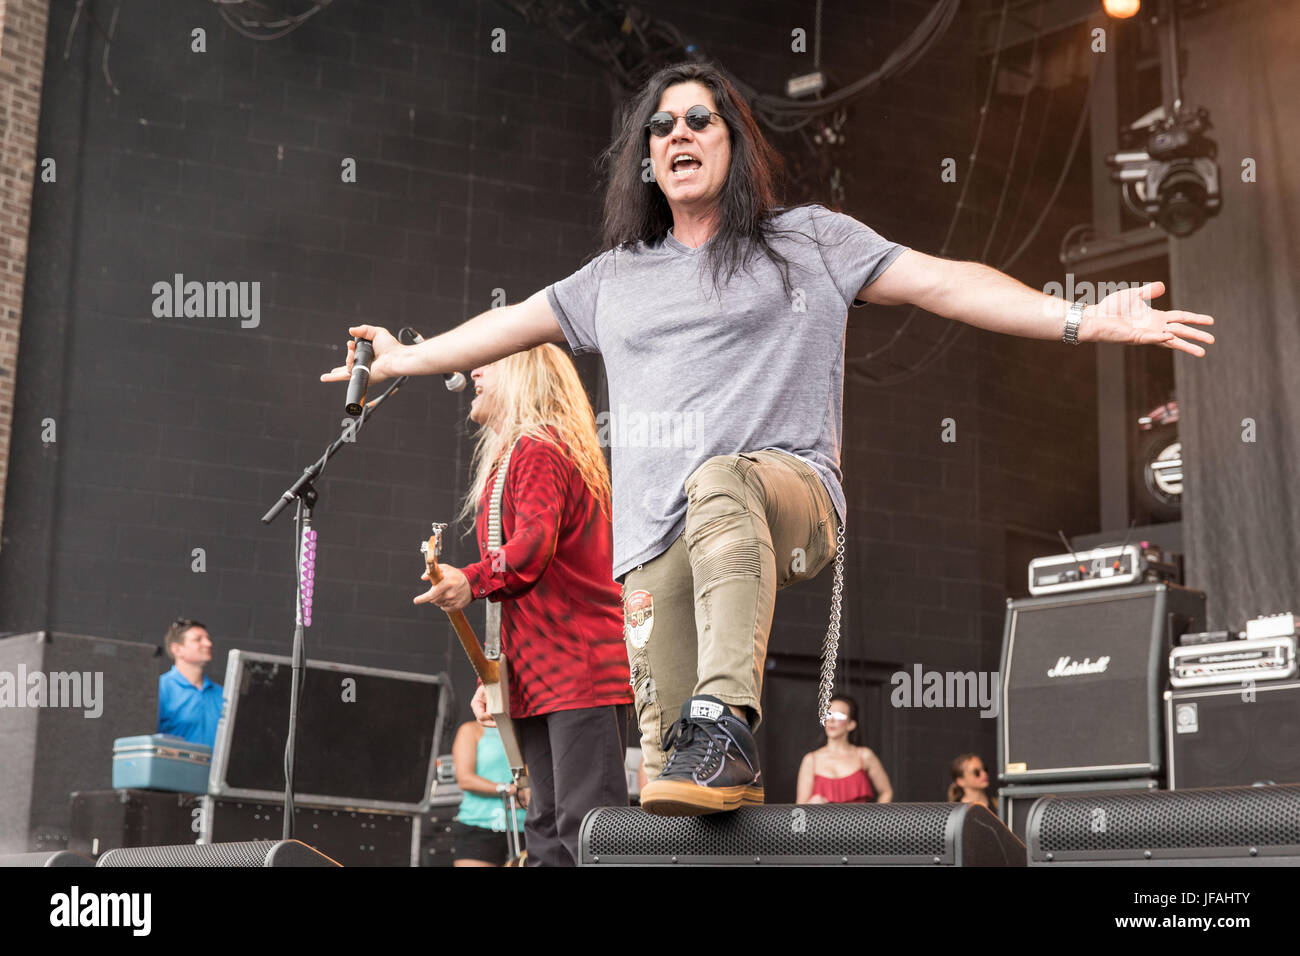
(385, 345)
(1126, 317)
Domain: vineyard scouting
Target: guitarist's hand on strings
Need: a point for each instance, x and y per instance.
(452, 593)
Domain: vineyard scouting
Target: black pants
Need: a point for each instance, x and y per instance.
(575, 763)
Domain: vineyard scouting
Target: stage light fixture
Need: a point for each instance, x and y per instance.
(1121, 9)
(1171, 178)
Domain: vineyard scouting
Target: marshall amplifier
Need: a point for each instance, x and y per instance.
(1233, 662)
(1243, 735)
(1103, 567)
(1082, 677)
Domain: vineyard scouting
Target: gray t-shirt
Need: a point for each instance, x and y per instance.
(696, 372)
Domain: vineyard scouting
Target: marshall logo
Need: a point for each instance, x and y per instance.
(1066, 667)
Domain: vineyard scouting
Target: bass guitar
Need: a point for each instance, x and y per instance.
(494, 674)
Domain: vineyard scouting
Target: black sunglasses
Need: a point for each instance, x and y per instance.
(697, 118)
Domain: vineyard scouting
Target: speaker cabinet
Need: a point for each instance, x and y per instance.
(353, 836)
(1230, 826)
(64, 699)
(1082, 678)
(831, 834)
(253, 853)
(103, 820)
(1235, 735)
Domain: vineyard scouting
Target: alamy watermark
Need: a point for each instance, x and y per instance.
(922, 688)
(74, 908)
(630, 428)
(1089, 293)
(82, 690)
(208, 300)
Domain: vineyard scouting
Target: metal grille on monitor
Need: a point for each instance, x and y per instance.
(45, 858)
(1138, 824)
(251, 853)
(917, 832)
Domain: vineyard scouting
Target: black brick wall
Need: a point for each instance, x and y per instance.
(475, 172)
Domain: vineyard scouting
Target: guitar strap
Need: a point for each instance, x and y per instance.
(492, 635)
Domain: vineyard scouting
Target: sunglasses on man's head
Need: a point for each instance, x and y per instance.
(697, 118)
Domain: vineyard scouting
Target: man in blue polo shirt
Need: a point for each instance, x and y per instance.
(189, 702)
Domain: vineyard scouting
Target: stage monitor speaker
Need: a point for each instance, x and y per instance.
(45, 858)
(374, 745)
(832, 834)
(1229, 826)
(1015, 799)
(252, 853)
(1082, 678)
(1234, 736)
(64, 699)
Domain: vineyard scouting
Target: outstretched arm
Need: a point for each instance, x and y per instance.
(481, 340)
(983, 297)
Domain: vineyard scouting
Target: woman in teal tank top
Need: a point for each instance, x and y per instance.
(483, 775)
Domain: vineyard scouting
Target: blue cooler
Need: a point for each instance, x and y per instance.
(160, 762)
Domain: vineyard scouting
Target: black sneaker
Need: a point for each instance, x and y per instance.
(713, 764)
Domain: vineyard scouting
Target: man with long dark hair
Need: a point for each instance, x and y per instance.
(721, 319)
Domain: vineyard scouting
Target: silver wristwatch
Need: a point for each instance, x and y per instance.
(1072, 320)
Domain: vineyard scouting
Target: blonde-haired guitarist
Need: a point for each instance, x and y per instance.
(561, 612)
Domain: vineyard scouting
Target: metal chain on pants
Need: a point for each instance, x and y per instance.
(831, 645)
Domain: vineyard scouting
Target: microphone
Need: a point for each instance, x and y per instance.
(455, 381)
(360, 376)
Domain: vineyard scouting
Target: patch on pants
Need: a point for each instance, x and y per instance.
(638, 617)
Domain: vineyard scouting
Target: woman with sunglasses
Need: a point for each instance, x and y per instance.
(970, 782)
(721, 317)
(841, 771)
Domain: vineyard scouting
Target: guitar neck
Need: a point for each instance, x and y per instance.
(494, 675)
(484, 668)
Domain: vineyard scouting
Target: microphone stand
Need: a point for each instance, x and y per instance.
(304, 493)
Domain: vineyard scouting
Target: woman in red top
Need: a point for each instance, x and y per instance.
(841, 771)
(561, 611)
